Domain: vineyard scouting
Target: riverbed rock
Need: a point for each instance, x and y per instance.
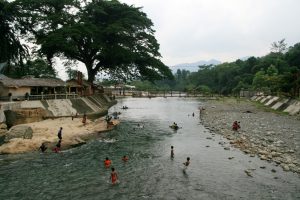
(3, 129)
(20, 131)
(271, 136)
(285, 167)
(3, 126)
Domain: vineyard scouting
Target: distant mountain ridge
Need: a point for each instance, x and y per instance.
(193, 67)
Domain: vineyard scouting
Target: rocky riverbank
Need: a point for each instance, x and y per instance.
(271, 136)
(29, 137)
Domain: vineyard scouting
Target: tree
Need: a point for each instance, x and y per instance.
(11, 29)
(278, 47)
(37, 68)
(104, 35)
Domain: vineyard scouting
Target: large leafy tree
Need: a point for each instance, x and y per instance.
(12, 27)
(104, 35)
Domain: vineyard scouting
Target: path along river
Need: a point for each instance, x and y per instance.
(78, 173)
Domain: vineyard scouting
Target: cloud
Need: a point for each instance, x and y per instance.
(194, 30)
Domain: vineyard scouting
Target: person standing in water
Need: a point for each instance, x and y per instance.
(84, 119)
(43, 147)
(125, 158)
(172, 152)
(114, 176)
(59, 134)
(57, 147)
(107, 162)
(187, 163)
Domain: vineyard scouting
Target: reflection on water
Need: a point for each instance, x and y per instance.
(150, 173)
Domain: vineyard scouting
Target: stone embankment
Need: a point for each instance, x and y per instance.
(14, 113)
(290, 106)
(273, 137)
(66, 113)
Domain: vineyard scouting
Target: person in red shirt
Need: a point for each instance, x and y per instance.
(114, 176)
(107, 162)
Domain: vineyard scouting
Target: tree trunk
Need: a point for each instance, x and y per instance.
(91, 75)
(91, 72)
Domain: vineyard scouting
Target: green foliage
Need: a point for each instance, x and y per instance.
(37, 68)
(11, 29)
(279, 47)
(276, 72)
(106, 36)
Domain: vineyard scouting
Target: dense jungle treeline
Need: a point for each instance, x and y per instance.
(276, 73)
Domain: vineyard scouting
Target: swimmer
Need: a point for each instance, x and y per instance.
(125, 158)
(107, 162)
(43, 147)
(57, 148)
(172, 152)
(187, 163)
(114, 176)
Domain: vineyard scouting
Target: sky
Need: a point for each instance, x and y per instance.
(193, 30)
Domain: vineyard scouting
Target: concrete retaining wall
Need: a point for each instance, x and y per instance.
(282, 104)
(61, 107)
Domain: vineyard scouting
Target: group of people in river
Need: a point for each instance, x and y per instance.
(174, 126)
(113, 174)
(186, 163)
(57, 147)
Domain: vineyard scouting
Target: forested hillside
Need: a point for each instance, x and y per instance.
(277, 73)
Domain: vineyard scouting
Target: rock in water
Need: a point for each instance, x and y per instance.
(20, 131)
(248, 173)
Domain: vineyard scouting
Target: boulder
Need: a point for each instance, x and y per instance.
(2, 116)
(20, 131)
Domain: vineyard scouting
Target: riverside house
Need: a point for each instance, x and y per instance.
(82, 88)
(20, 89)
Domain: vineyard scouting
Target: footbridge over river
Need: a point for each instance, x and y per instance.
(160, 93)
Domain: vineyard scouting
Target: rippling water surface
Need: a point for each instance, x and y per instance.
(150, 173)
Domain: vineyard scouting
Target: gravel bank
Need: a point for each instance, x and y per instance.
(271, 136)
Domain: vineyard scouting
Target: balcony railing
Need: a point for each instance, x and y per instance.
(39, 97)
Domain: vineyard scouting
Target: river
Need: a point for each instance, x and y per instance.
(150, 173)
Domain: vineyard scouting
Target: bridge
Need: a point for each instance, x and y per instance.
(159, 93)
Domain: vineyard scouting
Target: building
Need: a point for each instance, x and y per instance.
(19, 88)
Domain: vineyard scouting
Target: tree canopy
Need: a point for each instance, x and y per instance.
(11, 29)
(277, 72)
(105, 36)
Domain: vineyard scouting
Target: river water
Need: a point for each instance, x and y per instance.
(150, 173)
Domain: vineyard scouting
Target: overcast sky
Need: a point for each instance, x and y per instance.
(193, 30)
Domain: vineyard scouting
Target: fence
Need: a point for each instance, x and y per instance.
(40, 97)
(155, 93)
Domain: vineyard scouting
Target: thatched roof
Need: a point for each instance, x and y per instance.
(31, 82)
(74, 83)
